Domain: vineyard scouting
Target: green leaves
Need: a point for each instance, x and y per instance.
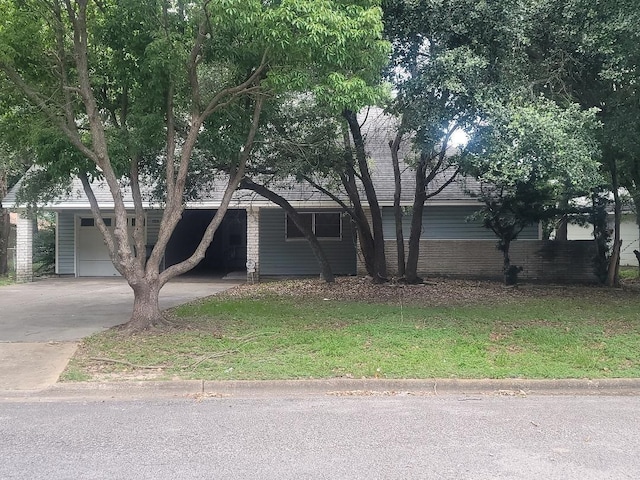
(541, 143)
(150, 61)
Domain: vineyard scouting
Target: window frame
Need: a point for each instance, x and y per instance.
(313, 226)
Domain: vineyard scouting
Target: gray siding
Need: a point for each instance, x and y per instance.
(66, 244)
(153, 226)
(447, 223)
(281, 257)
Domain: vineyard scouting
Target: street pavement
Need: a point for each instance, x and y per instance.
(330, 429)
(324, 437)
(41, 322)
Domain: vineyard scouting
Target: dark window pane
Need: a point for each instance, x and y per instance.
(107, 222)
(87, 222)
(328, 225)
(293, 231)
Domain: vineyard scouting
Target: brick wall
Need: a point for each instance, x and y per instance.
(253, 242)
(24, 250)
(543, 260)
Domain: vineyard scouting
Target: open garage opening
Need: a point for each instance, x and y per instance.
(228, 251)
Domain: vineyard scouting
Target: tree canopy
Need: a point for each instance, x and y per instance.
(131, 92)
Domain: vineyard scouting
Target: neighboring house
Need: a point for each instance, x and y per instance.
(255, 230)
(629, 233)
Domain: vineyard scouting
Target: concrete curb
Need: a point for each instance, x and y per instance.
(335, 387)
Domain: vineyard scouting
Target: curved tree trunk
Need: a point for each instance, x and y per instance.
(326, 273)
(380, 262)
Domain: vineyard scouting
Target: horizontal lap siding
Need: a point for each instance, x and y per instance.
(447, 222)
(66, 244)
(281, 257)
(153, 225)
(562, 262)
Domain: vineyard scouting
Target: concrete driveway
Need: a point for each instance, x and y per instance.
(69, 309)
(41, 322)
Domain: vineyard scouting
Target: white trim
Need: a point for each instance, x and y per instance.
(75, 244)
(57, 247)
(75, 247)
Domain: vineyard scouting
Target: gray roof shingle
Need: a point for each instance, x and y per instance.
(378, 130)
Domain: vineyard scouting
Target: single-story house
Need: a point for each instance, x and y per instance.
(256, 232)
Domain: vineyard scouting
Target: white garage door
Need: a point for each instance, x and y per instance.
(92, 254)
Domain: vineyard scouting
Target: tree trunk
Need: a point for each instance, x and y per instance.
(326, 273)
(372, 199)
(146, 309)
(416, 227)
(394, 146)
(562, 228)
(365, 237)
(506, 263)
(613, 279)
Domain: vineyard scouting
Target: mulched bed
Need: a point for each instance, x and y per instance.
(434, 292)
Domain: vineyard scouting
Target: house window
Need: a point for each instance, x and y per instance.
(325, 225)
(90, 222)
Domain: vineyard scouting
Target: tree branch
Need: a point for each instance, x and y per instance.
(232, 185)
(109, 239)
(330, 194)
(41, 103)
(138, 230)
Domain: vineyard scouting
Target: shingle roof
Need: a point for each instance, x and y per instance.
(378, 130)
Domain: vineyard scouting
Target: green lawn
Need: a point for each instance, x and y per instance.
(279, 337)
(6, 281)
(629, 273)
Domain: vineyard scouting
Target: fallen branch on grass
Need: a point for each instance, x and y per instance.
(211, 357)
(124, 362)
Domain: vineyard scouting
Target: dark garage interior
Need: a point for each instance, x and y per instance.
(227, 252)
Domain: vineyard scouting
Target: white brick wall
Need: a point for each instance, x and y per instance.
(24, 250)
(253, 242)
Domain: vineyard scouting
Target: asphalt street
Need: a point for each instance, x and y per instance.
(323, 437)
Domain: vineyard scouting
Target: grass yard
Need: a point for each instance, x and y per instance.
(304, 329)
(6, 281)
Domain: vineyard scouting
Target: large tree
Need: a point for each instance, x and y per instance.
(587, 52)
(448, 59)
(481, 66)
(121, 88)
(532, 153)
